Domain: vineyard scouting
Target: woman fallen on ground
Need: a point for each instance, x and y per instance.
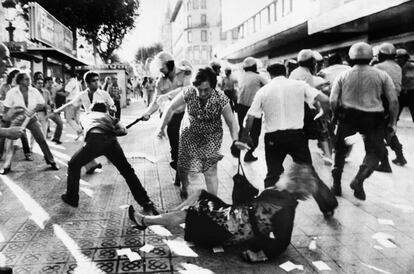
(265, 223)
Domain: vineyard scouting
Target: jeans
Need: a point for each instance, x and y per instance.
(281, 143)
(256, 127)
(371, 126)
(173, 132)
(98, 144)
(55, 117)
(118, 109)
(36, 130)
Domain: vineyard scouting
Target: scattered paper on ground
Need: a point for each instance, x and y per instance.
(218, 249)
(182, 225)
(271, 235)
(312, 245)
(378, 247)
(376, 268)
(132, 256)
(321, 265)
(147, 248)
(160, 230)
(180, 248)
(385, 221)
(87, 191)
(192, 268)
(289, 266)
(384, 239)
(123, 206)
(57, 177)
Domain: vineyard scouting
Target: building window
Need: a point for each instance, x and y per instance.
(189, 4)
(287, 7)
(241, 31)
(272, 12)
(203, 35)
(264, 17)
(235, 33)
(203, 4)
(196, 51)
(257, 22)
(204, 54)
(188, 53)
(189, 21)
(223, 35)
(279, 10)
(195, 4)
(203, 19)
(189, 37)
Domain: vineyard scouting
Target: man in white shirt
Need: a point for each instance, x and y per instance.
(29, 99)
(72, 112)
(281, 104)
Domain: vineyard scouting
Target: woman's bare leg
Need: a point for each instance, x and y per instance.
(184, 182)
(212, 179)
(188, 202)
(166, 219)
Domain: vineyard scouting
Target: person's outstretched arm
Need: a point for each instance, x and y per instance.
(176, 104)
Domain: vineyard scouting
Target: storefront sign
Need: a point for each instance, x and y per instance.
(106, 66)
(47, 29)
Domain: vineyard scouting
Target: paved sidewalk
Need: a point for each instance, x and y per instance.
(40, 234)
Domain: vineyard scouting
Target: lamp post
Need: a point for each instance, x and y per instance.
(10, 14)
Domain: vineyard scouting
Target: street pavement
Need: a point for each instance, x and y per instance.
(41, 234)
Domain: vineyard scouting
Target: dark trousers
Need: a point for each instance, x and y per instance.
(406, 99)
(231, 95)
(173, 132)
(118, 109)
(59, 125)
(278, 145)
(256, 128)
(371, 126)
(96, 145)
(25, 142)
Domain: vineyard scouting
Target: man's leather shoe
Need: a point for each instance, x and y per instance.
(92, 169)
(70, 201)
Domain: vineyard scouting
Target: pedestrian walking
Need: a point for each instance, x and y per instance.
(406, 98)
(228, 85)
(249, 83)
(115, 92)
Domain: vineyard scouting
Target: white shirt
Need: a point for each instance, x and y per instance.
(99, 96)
(249, 84)
(281, 103)
(73, 88)
(14, 98)
(331, 72)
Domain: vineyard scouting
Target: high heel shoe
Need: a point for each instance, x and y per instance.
(131, 212)
(5, 170)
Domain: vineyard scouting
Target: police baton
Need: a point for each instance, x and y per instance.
(134, 122)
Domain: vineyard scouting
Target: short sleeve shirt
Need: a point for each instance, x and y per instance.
(249, 84)
(394, 71)
(73, 87)
(14, 98)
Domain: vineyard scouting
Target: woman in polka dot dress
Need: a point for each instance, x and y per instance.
(202, 129)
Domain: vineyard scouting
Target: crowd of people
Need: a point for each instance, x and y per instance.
(326, 99)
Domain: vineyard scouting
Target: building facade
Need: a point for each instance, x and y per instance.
(277, 29)
(196, 30)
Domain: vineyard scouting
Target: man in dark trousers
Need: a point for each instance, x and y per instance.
(356, 102)
(101, 131)
(281, 104)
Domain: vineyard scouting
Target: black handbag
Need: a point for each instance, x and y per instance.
(243, 191)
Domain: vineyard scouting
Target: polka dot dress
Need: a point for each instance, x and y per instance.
(201, 132)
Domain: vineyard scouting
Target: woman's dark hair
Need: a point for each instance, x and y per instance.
(11, 75)
(251, 68)
(99, 107)
(334, 59)
(276, 69)
(205, 74)
(20, 76)
(170, 65)
(89, 75)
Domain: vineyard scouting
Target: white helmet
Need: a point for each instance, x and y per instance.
(164, 57)
(249, 62)
(387, 48)
(360, 50)
(305, 54)
(184, 65)
(318, 57)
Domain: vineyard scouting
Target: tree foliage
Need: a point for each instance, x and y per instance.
(103, 23)
(143, 53)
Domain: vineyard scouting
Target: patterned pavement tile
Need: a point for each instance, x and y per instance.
(157, 264)
(111, 232)
(129, 231)
(135, 241)
(15, 247)
(105, 254)
(154, 240)
(23, 236)
(160, 251)
(125, 266)
(11, 258)
(107, 242)
(107, 266)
